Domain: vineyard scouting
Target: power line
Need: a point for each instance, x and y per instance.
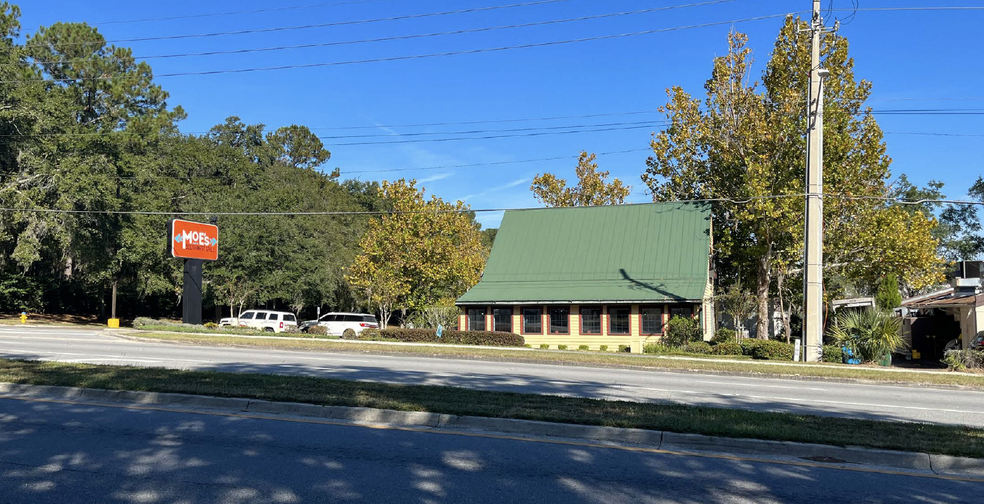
(385, 170)
(429, 55)
(234, 13)
(934, 134)
(400, 37)
(496, 163)
(932, 8)
(490, 137)
(737, 201)
(327, 25)
(510, 130)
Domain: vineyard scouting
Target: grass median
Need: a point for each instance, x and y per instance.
(960, 441)
(711, 364)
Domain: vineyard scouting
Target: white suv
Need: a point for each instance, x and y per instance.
(337, 323)
(265, 320)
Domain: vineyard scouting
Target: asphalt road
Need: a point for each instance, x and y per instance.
(64, 454)
(883, 402)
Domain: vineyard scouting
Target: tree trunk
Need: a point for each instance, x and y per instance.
(780, 281)
(762, 293)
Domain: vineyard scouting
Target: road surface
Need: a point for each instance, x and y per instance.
(881, 402)
(65, 454)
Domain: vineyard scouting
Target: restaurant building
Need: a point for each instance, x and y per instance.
(606, 275)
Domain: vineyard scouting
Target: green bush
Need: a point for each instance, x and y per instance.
(697, 347)
(603, 348)
(324, 330)
(773, 350)
(527, 345)
(959, 360)
(682, 330)
(544, 346)
(748, 345)
(624, 348)
(724, 335)
(582, 347)
(727, 348)
(561, 347)
(211, 325)
(656, 348)
(432, 316)
(833, 353)
(453, 337)
(869, 334)
(349, 334)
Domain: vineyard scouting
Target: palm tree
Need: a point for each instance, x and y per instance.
(869, 334)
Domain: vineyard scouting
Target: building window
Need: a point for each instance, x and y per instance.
(476, 319)
(618, 320)
(590, 320)
(652, 319)
(502, 318)
(532, 320)
(682, 311)
(560, 320)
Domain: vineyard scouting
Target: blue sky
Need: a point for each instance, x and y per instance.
(915, 59)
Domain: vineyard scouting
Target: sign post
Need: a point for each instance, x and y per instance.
(195, 242)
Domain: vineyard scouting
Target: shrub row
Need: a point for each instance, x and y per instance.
(485, 338)
(727, 348)
(771, 350)
(833, 353)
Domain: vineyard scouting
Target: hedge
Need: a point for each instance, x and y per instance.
(773, 350)
(727, 348)
(833, 353)
(697, 347)
(452, 337)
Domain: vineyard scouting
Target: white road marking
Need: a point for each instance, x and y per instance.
(746, 384)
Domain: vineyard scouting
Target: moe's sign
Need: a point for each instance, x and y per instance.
(193, 240)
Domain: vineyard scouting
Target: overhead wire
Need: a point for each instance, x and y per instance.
(400, 37)
(234, 13)
(426, 55)
(737, 201)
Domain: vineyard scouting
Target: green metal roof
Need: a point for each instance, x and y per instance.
(631, 253)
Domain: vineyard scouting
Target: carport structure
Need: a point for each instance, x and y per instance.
(967, 311)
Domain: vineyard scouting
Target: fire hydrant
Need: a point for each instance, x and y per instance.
(23, 317)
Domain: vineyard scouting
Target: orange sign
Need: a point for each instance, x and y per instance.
(193, 240)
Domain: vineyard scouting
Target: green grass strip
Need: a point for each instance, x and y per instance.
(704, 363)
(949, 440)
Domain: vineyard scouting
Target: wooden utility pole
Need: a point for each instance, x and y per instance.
(813, 276)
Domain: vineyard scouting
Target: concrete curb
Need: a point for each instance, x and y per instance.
(663, 440)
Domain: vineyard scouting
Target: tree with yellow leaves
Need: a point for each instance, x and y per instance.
(746, 142)
(424, 253)
(592, 187)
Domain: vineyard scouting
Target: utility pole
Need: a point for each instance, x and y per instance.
(813, 277)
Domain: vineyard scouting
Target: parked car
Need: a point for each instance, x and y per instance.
(337, 323)
(978, 342)
(264, 320)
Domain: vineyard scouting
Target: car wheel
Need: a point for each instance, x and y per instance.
(268, 329)
(348, 334)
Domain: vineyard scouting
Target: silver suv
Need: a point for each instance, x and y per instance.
(338, 323)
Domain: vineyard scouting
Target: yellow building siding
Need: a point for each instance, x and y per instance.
(575, 339)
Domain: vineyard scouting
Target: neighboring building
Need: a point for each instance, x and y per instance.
(594, 276)
(956, 313)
